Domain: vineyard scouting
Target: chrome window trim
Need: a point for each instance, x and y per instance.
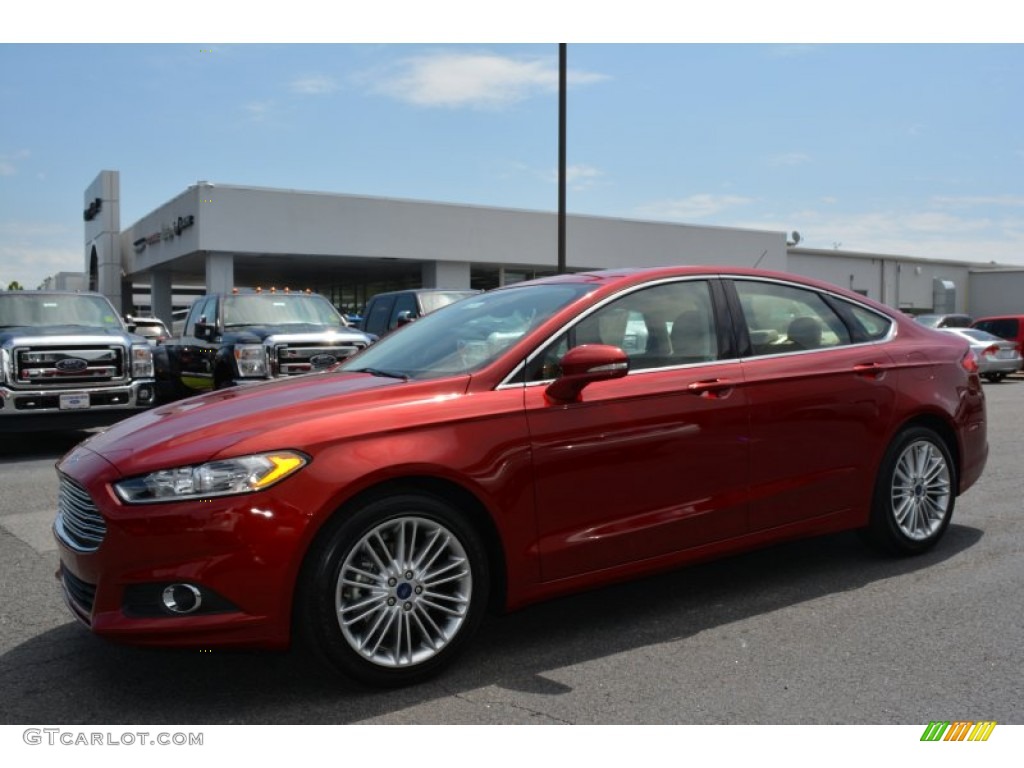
(507, 382)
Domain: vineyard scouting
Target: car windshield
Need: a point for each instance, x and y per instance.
(467, 335)
(280, 309)
(42, 310)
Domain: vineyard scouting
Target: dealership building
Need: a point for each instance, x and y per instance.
(213, 237)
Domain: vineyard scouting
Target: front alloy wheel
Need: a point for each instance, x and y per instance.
(915, 492)
(393, 591)
(403, 592)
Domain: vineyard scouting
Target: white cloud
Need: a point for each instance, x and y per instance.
(692, 208)
(923, 233)
(259, 110)
(9, 163)
(581, 177)
(968, 201)
(314, 85)
(788, 159)
(477, 80)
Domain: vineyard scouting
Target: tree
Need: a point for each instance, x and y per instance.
(14, 285)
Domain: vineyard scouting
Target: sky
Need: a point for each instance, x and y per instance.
(904, 148)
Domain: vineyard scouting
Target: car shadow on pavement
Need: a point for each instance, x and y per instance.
(67, 676)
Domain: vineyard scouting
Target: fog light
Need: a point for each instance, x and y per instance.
(145, 394)
(182, 598)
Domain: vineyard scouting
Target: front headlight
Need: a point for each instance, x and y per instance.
(224, 477)
(142, 361)
(251, 360)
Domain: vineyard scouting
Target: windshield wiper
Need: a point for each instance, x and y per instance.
(379, 372)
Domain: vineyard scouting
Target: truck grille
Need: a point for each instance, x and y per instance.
(57, 367)
(304, 358)
(79, 523)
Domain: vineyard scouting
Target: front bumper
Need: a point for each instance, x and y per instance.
(239, 552)
(80, 408)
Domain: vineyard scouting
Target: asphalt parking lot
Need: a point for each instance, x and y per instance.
(820, 631)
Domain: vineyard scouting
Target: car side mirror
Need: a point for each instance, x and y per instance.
(404, 318)
(204, 331)
(584, 365)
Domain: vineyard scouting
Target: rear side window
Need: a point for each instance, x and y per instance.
(783, 318)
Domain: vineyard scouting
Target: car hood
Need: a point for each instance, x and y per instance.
(296, 413)
(24, 331)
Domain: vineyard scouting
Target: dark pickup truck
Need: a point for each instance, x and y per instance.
(67, 362)
(247, 337)
(387, 311)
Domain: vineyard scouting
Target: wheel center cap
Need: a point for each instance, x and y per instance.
(404, 590)
(919, 490)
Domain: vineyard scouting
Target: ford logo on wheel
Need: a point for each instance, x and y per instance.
(71, 365)
(322, 361)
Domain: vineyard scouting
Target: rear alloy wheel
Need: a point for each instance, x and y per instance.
(396, 591)
(914, 493)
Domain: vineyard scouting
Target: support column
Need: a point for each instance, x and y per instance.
(220, 272)
(160, 296)
(446, 274)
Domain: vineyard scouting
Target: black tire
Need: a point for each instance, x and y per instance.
(995, 378)
(914, 493)
(391, 593)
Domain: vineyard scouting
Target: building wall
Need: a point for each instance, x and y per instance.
(996, 292)
(903, 282)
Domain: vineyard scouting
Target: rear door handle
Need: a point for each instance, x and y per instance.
(870, 370)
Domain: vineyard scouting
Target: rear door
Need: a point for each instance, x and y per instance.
(822, 390)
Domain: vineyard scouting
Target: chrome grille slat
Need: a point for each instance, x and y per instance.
(296, 358)
(48, 367)
(79, 523)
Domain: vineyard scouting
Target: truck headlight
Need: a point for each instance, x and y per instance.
(142, 361)
(251, 360)
(224, 477)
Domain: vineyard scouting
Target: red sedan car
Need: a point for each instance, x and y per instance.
(532, 441)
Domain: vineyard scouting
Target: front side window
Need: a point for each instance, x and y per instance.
(662, 326)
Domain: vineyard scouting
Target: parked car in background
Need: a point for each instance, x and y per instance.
(507, 449)
(151, 329)
(997, 357)
(1009, 327)
(249, 336)
(945, 321)
(387, 311)
(68, 362)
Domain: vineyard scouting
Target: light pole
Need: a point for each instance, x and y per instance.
(561, 157)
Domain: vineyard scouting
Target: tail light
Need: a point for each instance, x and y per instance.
(991, 351)
(969, 362)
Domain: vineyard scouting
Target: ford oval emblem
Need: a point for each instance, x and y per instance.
(322, 361)
(71, 365)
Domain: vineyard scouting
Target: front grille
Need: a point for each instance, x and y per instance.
(56, 367)
(79, 592)
(294, 359)
(79, 523)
